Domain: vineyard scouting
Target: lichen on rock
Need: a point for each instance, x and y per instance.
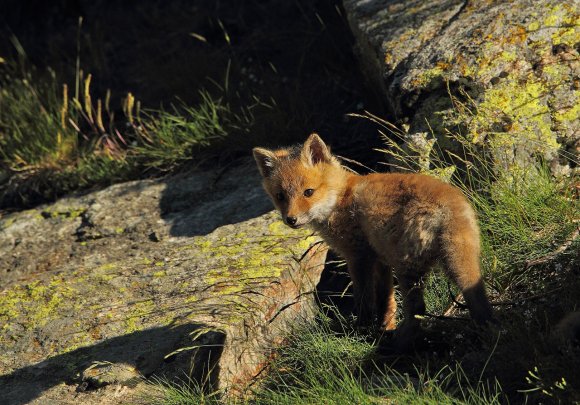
(514, 66)
(127, 301)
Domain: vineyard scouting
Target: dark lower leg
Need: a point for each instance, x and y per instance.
(464, 270)
(478, 304)
(413, 305)
(384, 293)
(361, 277)
(413, 301)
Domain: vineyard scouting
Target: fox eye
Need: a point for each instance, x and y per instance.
(308, 192)
(280, 196)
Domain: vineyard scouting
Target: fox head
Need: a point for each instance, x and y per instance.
(304, 182)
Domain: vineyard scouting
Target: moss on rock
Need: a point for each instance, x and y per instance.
(512, 69)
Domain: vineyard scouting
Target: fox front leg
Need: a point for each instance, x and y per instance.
(361, 271)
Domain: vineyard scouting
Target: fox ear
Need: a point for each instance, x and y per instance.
(315, 150)
(266, 161)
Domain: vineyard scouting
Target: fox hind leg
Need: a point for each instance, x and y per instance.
(462, 265)
(385, 306)
(412, 288)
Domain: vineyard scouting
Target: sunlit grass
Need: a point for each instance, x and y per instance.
(53, 142)
(325, 362)
(167, 138)
(181, 392)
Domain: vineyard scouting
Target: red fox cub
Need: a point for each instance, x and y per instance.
(379, 223)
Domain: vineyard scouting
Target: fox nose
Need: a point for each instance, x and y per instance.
(291, 220)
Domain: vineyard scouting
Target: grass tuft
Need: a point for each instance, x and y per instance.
(523, 218)
(33, 122)
(181, 392)
(321, 366)
(318, 366)
(52, 143)
(165, 139)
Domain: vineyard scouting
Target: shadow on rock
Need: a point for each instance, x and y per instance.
(333, 290)
(198, 204)
(121, 360)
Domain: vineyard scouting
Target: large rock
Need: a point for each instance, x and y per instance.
(512, 67)
(100, 290)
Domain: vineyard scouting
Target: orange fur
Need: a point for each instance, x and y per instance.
(380, 223)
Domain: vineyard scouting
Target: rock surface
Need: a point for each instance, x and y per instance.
(144, 278)
(505, 73)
